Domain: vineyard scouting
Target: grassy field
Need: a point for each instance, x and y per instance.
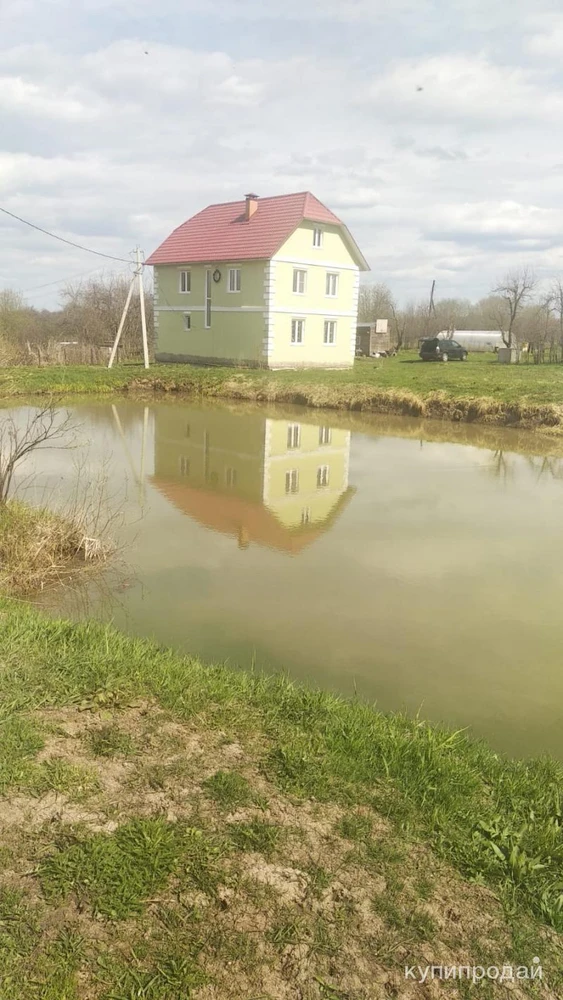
(479, 390)
(479, 376)
(170, 830)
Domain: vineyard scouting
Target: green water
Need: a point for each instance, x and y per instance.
(419, 566)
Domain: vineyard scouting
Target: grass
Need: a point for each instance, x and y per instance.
(366, 841)
(109, 741)
(478, 391)
(115, 874)
(228, 789)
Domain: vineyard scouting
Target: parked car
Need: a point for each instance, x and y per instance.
(437, 349)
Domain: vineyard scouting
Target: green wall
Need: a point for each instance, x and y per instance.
(234, 335)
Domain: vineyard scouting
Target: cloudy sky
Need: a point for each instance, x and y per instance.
(432, 127)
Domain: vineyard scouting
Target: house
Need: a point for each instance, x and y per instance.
(373, 338)
(276, 483)
(264, 282)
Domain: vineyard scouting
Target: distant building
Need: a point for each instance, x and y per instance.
(475, 340)
(264, 282)
(373, 338)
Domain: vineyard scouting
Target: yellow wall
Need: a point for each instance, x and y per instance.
(333, 250)
(315, 306)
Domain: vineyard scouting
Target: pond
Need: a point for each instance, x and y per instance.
(419, 566)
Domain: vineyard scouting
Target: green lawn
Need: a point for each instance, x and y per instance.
(480, 376)
(173, 830)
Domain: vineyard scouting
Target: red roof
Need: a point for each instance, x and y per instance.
(222, 233)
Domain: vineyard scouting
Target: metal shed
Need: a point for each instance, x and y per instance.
(475, 340)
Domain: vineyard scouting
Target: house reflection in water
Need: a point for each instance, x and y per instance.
(276, 482)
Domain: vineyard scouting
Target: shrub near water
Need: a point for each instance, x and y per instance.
(36, 547)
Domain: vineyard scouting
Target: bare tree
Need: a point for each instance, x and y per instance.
(556, 292)
(400, 320)
(375, 302)
(512, 293)
(17, 442)
(92, 310)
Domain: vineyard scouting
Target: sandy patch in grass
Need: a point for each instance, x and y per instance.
(310, 913)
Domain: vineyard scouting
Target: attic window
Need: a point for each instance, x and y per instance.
(317, 237)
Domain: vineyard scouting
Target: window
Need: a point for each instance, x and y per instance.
(188, 430)
(293, 435)
(325, 435)
(231, 477)
(187, 321)
(330, 331)
(185, 282)
(207, 299)
(299, 281)
(317, 237)
(184, 466)
(292, 481)
(234, 279)
(305, 515)
(331, 284)
(322, 476)
(297, 327)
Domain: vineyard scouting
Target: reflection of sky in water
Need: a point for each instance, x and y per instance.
(438, 584)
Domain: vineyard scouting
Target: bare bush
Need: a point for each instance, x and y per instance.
(42, 428)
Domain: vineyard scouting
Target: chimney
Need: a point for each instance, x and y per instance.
(251, 205)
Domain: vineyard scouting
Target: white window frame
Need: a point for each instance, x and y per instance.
(317, 238)
(299, 278)
(235, 278)
(332, 278)
(292, 481)
(325, 435)
(306, 515)
(231, 477)
(329, 331)
(323, 477)
(297, 331)
(184, 465)
(187, 321)
(185, 278)
(293, 436)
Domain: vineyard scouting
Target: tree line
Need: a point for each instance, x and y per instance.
(517, 307)
(89, 314)
(525, 313)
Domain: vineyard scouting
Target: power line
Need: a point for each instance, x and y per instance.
(62, 239)
(61, 281)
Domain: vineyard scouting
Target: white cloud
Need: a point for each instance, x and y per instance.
(465, 88)
(20, 96)
(120, 121)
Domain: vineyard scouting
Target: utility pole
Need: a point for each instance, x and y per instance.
(137, 277)
(431, 308)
